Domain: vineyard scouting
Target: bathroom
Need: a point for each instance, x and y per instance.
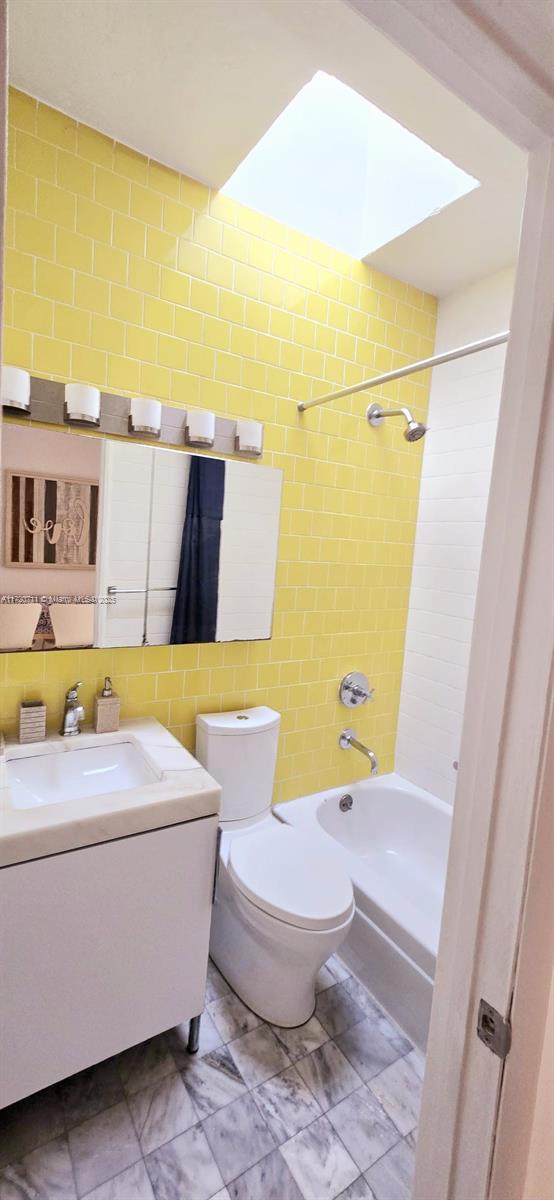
(161, 336)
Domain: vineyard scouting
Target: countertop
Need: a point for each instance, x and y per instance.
(183, 792)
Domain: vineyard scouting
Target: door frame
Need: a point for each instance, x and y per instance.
(493, 854)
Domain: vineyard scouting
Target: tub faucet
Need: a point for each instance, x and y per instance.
(348, 739)
(73, 713)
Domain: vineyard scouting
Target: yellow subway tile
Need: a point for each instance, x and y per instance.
(51, 356)
(35, 156)
(22, 110)
(22, 191)
(235, 244)
(131, 164)
(254, 375)
(231, 307)
(220, 271)
(75, 174)
(108, 334)
(19, 270)
(201, 360)
(184, 389)
(228, 368)
(204, 297)
(257, 316)
(110, 263)
(95, 146)
(54, 126)
(74, 250)
(141, 343)
(54, 281)
(128, 234)
(163, 179)
(174, 286)
(144, 275)
(89, 365)
(91, 293)
(207, 232)
(291, 356)
(56, 205)
(34, 236)
(161, 247)
(194, 193)
(189, 324)
(172, 352)
(247, 281)
(178, 219)
(123, 374)
(158, 314)
(155, 381)
(17, 347)
(243, 342)
(146, 205)
(193, 259)
(72, 324)
(112, 190)
(125, 304)
(94, 220)
(32, 313)
(216, 333)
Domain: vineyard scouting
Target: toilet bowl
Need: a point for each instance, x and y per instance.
(282, 906)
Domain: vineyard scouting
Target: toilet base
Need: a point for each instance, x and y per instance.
(271, 966)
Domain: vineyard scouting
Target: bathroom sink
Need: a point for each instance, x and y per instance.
(74, 775)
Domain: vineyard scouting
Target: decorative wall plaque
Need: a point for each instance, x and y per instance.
(51, 522)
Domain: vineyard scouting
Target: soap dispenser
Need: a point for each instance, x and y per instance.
(106, 709)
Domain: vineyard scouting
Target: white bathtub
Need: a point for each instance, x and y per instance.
(394, 844)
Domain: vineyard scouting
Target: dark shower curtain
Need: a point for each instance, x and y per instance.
(195, 611)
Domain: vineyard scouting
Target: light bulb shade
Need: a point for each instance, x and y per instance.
(145, 416)
(200, 428)
(16, 388)
(82, 403)
(249, 437)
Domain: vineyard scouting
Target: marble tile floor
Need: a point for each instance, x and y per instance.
(327, 1111)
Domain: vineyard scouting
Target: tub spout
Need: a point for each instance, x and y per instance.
(348, 739)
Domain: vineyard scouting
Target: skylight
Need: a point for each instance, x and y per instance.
(338, 169)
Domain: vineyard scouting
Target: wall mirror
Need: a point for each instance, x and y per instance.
(107, 542)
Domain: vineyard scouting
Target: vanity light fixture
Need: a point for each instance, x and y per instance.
(200, 428)
(145, 417)
(82, 403)
(249, 437)
(16, 388)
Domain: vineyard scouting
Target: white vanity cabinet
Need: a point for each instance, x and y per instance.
(101, 947)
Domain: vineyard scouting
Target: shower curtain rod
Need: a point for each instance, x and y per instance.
(460, 352)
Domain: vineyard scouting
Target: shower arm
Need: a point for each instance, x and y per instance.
(472, 348)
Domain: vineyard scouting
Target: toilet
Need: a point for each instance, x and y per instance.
(282, 906)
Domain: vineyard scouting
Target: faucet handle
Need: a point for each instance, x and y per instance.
(71, 693)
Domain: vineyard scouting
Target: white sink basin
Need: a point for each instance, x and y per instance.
(77, 773)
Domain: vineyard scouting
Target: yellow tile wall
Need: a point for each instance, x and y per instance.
(125, 274)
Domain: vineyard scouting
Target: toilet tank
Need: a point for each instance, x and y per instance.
(239, 750)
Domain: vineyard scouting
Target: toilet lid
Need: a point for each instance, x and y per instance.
(283, 873)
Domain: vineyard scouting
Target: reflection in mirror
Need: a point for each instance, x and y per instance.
(112, 543)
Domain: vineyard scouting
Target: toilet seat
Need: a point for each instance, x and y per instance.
(280, 871)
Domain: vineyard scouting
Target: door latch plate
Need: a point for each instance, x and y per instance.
(493, 1029)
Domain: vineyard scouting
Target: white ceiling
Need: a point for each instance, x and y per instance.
(196, 83)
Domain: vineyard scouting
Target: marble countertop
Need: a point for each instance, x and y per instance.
(183, 791)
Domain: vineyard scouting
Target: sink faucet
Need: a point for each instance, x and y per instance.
(73, 713)
(348, 739)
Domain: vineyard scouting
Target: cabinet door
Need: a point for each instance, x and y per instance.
(101, 948)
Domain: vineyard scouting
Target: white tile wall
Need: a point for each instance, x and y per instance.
(248, 553)
(125, 485)
(169, 502)
(457, 461)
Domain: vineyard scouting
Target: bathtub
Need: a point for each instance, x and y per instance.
(394, 843)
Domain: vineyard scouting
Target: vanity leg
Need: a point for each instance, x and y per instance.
(194, 1035)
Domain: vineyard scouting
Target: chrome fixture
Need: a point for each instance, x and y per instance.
(461, 351)
(414, 430)
(345, 803)
(348, 739)
(73, 712)
(354, 689)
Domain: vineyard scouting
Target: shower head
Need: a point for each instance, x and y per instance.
(413, 431)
